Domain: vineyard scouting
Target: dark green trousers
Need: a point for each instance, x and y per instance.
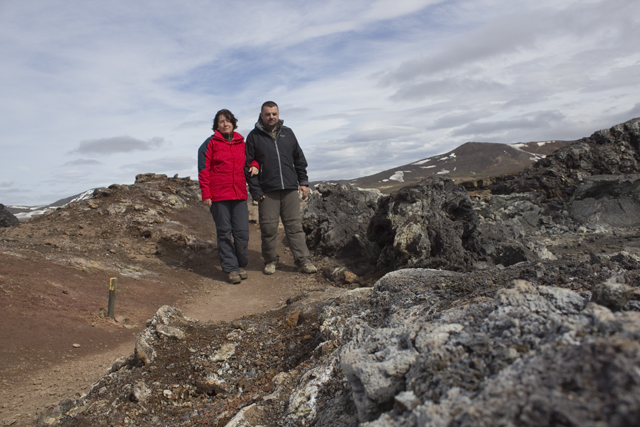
(285, 205)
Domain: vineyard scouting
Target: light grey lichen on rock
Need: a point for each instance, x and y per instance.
(161, 325)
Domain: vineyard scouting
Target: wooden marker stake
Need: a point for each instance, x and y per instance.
(113, 283)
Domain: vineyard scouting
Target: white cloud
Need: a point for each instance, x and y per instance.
(366, 85)
(389, 9)
(83, 162)
(118, 144)
(70, 176)
(166, 165)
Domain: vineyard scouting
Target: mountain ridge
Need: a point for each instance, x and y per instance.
(471, 160)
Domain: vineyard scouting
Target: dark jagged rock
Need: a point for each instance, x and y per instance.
(607, 200)
(335, 221)
(431, 224)
(610, 151)
(7, 219)
(507, 223)
(612, 295)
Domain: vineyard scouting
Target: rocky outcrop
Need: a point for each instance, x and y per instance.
(7, 219)
(335, 221)
(607, 201)
(606, 152)
(166, 324)
(527, 345)
(156, 216)
(505, 352)
(431, 224)
(590, 185)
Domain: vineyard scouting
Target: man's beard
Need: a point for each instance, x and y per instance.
(270, 126)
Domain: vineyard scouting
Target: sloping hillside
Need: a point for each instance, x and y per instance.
(470, 161)
(159, 241)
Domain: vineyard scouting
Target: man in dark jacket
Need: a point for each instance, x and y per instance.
(277, 174)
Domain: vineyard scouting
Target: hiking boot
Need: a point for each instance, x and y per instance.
(234, 277)
(243, 273)
(270, 268)
(308, 268)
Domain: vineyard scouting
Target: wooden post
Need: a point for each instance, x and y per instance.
(113, 283)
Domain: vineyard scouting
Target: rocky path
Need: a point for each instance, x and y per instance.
(35, 376)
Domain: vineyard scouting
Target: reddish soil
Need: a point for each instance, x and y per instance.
(56, 337)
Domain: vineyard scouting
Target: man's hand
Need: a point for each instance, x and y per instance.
(207, 202)
(303, 190)
(253, 170)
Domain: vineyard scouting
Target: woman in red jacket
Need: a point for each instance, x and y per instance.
(224, 190)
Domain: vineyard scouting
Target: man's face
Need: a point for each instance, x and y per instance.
(270, 116)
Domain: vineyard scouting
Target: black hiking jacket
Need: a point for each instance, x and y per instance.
(281, 161)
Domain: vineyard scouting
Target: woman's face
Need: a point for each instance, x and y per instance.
(224, 125)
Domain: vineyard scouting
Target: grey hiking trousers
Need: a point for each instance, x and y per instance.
(283, 204)
(232, 230)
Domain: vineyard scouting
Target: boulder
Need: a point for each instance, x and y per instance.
(506, 226)
(607, 200)
(376, 371)
(612, 295)
(335, 221)
(7, 219)
(429, 224)
(164, 324)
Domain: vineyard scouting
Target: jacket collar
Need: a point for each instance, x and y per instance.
(237, 138)
(260, 125)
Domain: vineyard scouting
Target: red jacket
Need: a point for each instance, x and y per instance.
(223, 175)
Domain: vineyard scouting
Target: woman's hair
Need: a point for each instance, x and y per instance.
(228, 115)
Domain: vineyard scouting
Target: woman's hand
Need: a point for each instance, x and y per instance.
(253, 170)
(207, 202)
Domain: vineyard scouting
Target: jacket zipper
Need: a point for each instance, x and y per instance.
(275, 142)
(233, 167)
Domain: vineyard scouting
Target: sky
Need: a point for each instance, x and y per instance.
(93, 93)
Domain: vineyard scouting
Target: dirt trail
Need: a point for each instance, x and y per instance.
(35, 375)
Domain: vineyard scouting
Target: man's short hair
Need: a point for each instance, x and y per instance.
(269, 104)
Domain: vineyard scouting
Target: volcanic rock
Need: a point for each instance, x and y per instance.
(431, 224)
(7, 219)
(335, 221)
(611, 151)
(612, 295)
(607, 200)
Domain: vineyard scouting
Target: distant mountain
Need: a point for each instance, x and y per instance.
(25, 213)
(470, 161)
